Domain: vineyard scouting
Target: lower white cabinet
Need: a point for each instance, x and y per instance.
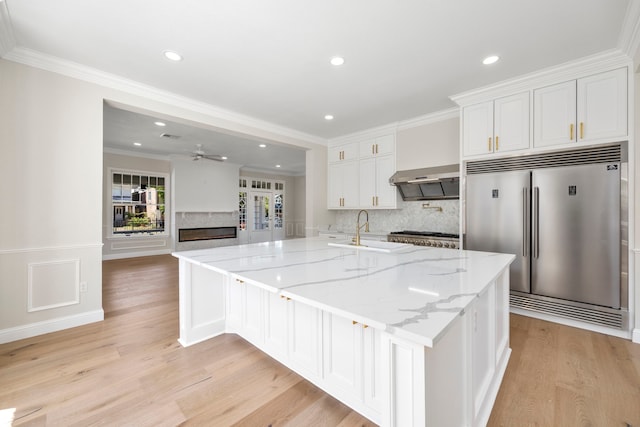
(342, 359)
(304, 338)
(276, 326)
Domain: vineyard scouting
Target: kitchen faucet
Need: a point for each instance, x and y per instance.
(358, 226)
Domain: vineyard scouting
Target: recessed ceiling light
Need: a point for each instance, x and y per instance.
(137, 144)
(337, 60)
(159, 124)
(172, 56)
(490, 59)
(224, 157)
(262, 145)
(328, 117)
(277, 166)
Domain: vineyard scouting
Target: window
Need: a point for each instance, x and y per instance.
(138, 202)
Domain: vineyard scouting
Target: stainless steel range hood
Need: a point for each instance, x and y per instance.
(436, 183)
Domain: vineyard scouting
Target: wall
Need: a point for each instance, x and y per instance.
(316, 189)
(51, 185)
(299, 208)
(51, 178)
(431, 144)
(634, 250)
(204, 186)
(130, 246)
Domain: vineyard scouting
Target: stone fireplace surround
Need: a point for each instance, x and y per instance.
(203, 220)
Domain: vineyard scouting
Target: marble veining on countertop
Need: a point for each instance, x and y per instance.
(415, 293)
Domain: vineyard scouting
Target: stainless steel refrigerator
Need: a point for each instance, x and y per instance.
(562, 223)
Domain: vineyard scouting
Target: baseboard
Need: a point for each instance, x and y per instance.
(636, 336)
(47, 326)
(124, 255)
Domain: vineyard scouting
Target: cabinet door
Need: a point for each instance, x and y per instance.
(343, 152)
(234, 306)
(276, 325)
(367, 148)
(387, 194)
(373, 393)
(350, 185)
(342, 355)
(602, 105)
(304, 338)
(385, 145)
(478, 129)
(367, 180)
(554, 115)
(334, 186)
(252, 316)
(511, 123)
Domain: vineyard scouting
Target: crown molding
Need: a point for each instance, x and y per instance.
(7, 39)
(91, 75)
(629, 39)
(365, 134)
(583, 67)
(427, 119)
(121, 152)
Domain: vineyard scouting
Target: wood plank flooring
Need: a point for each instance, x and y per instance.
(130, 371)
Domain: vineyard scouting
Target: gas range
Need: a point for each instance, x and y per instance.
(425, 238)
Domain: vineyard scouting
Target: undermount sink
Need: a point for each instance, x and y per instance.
(372, 245)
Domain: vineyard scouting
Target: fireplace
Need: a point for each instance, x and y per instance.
(206, 233)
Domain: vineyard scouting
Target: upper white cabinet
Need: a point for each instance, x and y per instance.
(496, 126)
(344, 152)
(583, 110)
(362, 181)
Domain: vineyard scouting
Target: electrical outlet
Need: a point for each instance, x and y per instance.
(83, 286)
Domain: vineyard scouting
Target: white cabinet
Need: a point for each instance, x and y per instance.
(362, 182)
(377, 146)
(375, 190)
(344, 152)
(372, 366)
(304, 338)
(276, 325)
(496, 126)
(583, 110)
(343, 185)
(342, 359)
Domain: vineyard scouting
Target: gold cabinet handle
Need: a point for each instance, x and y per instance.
(497, 144)
(353, 322)
(376, 200)
(571, 131)
(376, 148)
(373, 149)
(240, 281)
(373, 201)
(489, 145)
(581, 130)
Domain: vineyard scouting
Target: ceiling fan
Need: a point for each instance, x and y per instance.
(200, 154)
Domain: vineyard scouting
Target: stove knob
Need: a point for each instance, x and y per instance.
(445, 245)
(453, 246)
(429, 243)
(439, 244)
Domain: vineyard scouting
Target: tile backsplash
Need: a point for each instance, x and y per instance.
(420, 216)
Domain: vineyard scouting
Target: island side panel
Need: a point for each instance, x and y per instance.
(202, 303)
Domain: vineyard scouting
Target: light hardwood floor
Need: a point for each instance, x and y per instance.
(130, 371)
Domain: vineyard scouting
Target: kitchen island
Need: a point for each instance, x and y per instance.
(417, 336)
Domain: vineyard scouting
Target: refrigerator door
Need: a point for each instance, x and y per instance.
(497, 219)
(576, 233)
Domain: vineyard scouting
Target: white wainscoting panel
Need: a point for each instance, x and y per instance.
(53, 284)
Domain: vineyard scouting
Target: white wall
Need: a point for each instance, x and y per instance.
(634, 256)
(51, 181)
(130, 246)
(432, 144)
(204, 186)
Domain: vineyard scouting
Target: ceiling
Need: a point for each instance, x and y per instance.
(122, 129)
(270, 60)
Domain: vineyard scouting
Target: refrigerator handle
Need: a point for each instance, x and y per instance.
(525, 221)
(536, 222)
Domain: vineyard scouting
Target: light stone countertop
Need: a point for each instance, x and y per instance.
(415, 293)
